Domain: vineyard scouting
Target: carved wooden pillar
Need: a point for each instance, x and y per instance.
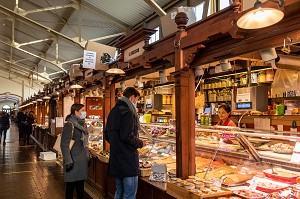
(60, 106)
(77, 96)
(43, 109)
(108, 104)
(185, 106)
(39, 112)
(185, 123)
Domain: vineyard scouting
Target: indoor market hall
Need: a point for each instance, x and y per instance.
(24, 174)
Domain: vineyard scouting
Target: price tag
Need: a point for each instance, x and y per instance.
(153, 151)
(296, 154)
(217, 182)
(253, 185)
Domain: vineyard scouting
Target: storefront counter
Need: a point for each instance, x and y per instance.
(105, 186)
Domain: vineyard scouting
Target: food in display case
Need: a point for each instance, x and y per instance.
(249, 194)
(266, 185)
(282, 148)
(282, 175)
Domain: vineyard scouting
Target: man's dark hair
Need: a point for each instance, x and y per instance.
(129, 91)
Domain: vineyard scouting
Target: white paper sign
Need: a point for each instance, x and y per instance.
(296, 154)
(59, 122)
(89, 59)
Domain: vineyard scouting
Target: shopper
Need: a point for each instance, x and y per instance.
(4, 125)
(75, 160)
(28, 132)
(122, 133)
(224, 115)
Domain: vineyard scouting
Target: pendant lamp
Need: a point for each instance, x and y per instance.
(115, 71)
(76, 86)
(261, 17)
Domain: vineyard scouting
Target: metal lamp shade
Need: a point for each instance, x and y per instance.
(260, 18)
(115, 71)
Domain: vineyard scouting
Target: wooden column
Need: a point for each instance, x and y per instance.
(60, 106)
(185, 123)
(77, 96)
(108, 103)
(39, 112)
(185, 106)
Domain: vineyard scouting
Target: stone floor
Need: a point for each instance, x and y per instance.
(24, 175)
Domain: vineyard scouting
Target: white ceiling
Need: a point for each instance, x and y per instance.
(60, 30)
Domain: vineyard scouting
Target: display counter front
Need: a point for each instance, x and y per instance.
(42, 137)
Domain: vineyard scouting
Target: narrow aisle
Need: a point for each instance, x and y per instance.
(24, 175)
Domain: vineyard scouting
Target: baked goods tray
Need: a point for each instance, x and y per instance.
(180, 192)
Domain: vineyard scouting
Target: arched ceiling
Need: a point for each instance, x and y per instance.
(40, 39)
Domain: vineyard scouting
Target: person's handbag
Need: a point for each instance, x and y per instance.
(56, 146)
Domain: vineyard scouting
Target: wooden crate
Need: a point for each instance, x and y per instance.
(145, 172)
(177, 192)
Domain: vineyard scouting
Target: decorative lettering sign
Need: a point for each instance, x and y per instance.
(89, 59)
(134, 51)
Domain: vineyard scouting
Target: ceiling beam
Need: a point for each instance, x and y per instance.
(30, 22)
(104, 15)
(34, 55)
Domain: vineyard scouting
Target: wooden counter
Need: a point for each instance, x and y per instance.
(43, 138)
(105, 186)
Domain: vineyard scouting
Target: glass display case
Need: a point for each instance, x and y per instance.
(246, 161)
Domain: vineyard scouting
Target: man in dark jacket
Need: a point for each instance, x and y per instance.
(122, 133)
(4, 125)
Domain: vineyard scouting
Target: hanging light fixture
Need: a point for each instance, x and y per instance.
(115, 71)
(76, 86)
(261, 17)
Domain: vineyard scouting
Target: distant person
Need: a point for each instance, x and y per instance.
(22, 124)
(28, 131)
(75, 160)
(4, 125)
(122, 132)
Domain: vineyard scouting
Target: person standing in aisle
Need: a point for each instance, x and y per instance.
(4, 125)
(75, 160)
(30, 121)
(122, 133)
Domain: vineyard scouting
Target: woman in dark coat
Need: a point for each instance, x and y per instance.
(75, 160)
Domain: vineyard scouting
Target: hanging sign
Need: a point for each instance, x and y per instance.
(89, 59)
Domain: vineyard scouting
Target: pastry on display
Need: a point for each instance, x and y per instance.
(235, 179)
(248, 194)
(282, 148)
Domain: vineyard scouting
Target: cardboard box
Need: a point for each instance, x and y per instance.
(48, 155)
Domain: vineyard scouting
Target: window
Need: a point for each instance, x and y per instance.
(199, 11)
(155, 36)
(224, 4)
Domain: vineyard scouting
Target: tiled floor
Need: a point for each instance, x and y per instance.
(24, 175)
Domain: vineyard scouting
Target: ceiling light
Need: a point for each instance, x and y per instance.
(39, 100)
(34, 101)
(76, 86)
(115, 71)
(46, 97)
(225, 65)
(261, 17)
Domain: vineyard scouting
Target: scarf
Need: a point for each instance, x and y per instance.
(133, 110)
(80, 124)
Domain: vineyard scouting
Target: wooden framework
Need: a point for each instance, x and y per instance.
(212, 39)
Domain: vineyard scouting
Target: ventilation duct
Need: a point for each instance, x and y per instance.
(288, 62)
(162, 76)
(199, 71)
(138, 82)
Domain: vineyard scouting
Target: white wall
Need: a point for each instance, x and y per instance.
(14, 86)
